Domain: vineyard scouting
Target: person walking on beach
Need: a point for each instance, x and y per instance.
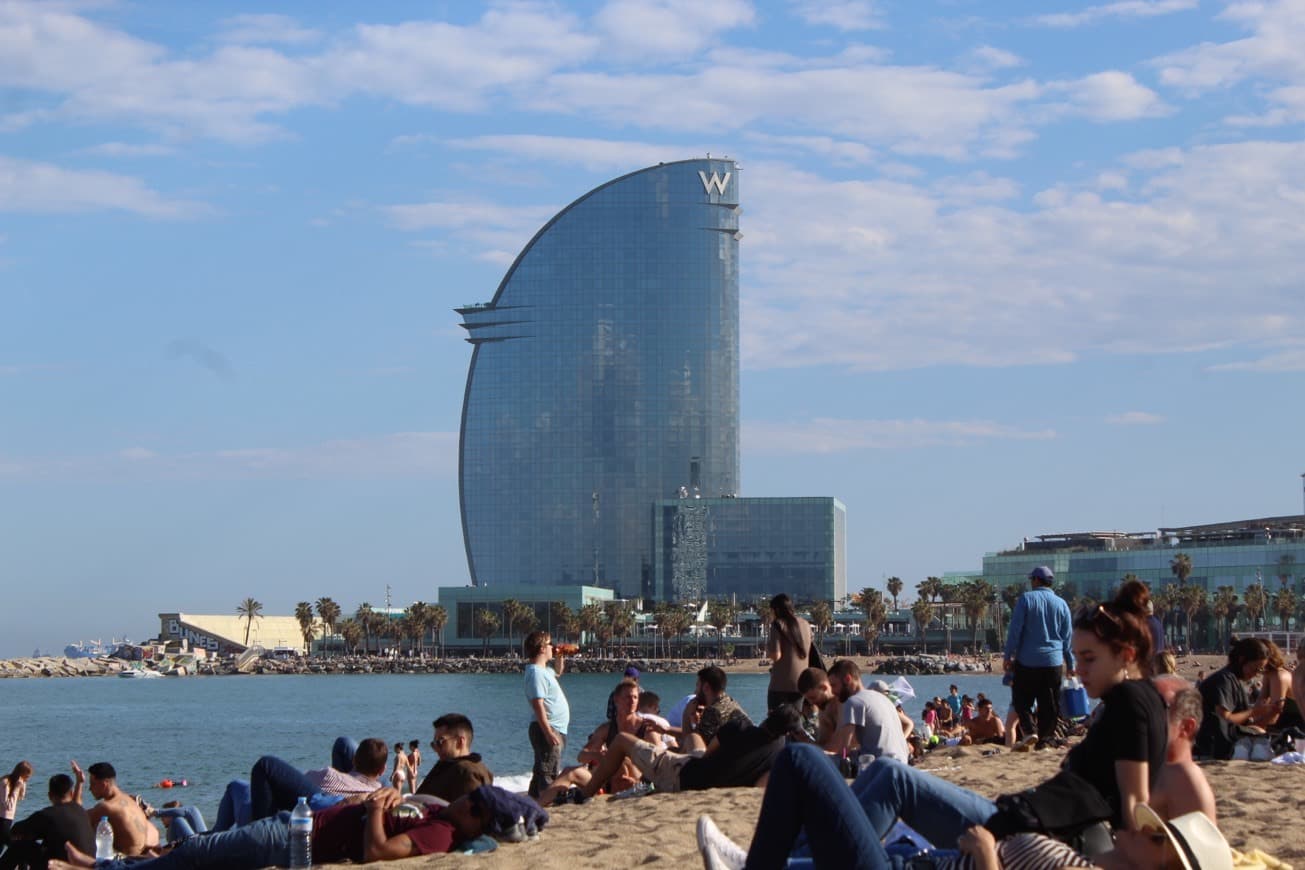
(789, 648)
(552, 713)
(1037, 653)
(13, 788)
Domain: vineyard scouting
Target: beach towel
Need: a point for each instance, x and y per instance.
(1257, 859)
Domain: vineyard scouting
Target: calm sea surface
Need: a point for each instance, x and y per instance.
(209, 730)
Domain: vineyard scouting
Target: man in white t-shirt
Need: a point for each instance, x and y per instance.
(868, 723)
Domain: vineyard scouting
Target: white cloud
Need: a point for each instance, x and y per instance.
(841, 14)
(1126, 9)
(832, 435)
(1110, 96)
(592, 154)
(839, 152)
(1292, 360)
(996, 58)
(262, 29)
(45, 188)
(667, 28)
(1135, 418)
(400, 454)
(128, 149)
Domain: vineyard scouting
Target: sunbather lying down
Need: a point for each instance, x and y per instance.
(808, 796)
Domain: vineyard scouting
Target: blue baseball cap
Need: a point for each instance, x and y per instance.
(1042, 572)
(632, 671)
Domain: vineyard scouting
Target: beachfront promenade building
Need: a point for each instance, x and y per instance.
(604, 381)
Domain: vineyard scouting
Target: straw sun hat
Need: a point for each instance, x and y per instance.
(1197, 841)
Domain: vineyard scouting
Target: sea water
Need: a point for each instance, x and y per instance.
(209, 730)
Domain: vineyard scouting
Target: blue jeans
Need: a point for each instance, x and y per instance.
(182, 822)
(263, 843)
(233, 810)
(889, 790)
(276, 785)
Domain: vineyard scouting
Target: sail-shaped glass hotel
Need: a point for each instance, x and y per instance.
(604, 377)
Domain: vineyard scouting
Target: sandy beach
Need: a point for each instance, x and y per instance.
(1259, 807)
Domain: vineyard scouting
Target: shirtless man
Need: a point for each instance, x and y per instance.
(1182, 787)
(132, 832)
(985, 727)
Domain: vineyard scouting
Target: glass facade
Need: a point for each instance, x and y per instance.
(604, 376)
(1236, 554)
(748, 547)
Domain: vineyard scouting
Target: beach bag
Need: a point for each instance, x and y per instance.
(1066, 807)
(814, 660)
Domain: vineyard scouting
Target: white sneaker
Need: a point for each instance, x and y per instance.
(719, 852)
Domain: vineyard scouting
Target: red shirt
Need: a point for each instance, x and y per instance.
(338, 833)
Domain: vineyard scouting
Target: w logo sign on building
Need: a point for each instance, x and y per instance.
(714, 182)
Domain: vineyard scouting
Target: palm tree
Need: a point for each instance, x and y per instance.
(560, 616)
(365, 617)
(871, 602)
(250, 610)
(930, 587)
(351, 631)
(304, 614)
(894, 587)
(822, 618)
(513, 612)
(1224, 608)
(1181, 567)
(419, 619)
(486, 626)
(1010, 596)
(328, 612)
(922, 610)
(621, 621)
(589, 619)
(680, 622)
(1162, 602)
(975, 597)
(438, 617)
(1285, 605)
(1190, 600)
(1257, 602)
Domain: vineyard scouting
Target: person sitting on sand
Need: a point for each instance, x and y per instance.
(869, 721)
(740, 755)
(1228, 714)
(626, 721)
(42, 835)
(1281, 709)
(815, 687)
(807, 796)
(361, 833)
(984, 728)
(650, 708)
(1182, 787)
(711, 708)
(132, 832)
(458, 771)
(947, 725)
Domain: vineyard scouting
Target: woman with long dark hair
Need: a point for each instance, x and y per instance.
(13, 788)
(789, 648)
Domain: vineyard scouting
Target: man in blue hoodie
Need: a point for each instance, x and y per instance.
(1037, 653)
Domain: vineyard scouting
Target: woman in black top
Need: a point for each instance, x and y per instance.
(1228, 711)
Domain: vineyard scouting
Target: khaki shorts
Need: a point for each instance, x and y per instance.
(660, 766)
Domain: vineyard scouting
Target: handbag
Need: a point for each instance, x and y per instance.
(1063, 807)
(813, 658)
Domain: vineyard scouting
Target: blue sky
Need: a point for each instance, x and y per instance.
(1008, 269)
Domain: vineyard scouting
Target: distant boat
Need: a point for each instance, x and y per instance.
(86, 649)
(139, 674)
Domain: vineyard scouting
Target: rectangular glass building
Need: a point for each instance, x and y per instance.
(748, 547)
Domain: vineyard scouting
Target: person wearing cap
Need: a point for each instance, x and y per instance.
(1037, 653)
(869, 722)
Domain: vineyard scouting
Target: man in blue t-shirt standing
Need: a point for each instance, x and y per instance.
(1037, 653)
(552, 713)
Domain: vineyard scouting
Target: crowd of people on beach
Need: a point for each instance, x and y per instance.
(1129, 793)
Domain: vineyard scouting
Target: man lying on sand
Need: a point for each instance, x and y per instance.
(360, 833)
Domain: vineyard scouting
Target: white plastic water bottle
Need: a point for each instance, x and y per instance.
(301, 835)
(103, 839)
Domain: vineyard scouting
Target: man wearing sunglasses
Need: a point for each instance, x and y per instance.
(459, 771)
